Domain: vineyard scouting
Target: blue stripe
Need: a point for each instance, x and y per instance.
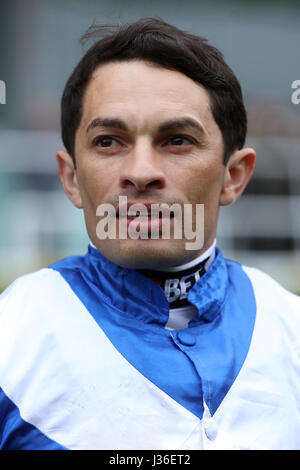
(223, 330)
(17, 434)
(223, 343)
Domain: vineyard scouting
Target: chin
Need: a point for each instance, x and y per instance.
(144, 254)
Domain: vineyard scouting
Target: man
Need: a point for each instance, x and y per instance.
(145, 343)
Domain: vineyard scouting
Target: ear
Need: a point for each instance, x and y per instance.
(68, 177)
(238, 172)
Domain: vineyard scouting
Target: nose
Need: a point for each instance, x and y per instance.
(142, 169)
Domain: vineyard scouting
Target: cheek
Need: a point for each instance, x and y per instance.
(93, 185)
(204, 185)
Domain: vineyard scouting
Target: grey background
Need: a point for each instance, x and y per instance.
(39, 47)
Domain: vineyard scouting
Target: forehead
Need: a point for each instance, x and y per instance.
(143, 93)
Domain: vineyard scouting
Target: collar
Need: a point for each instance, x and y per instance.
(176, 281)
(208, 256)
(136, 295)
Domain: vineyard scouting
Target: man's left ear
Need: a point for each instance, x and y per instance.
(238, 172)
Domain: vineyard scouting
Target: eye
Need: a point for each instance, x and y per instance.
(106, 141)
(179, 140)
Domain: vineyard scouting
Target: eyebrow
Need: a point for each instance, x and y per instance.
(181, 123)
(107, 122)
(169, 125)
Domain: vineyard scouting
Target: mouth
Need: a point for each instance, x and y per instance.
(143, 217)
(141, 211)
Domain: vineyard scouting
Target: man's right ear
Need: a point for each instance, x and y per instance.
(68, 177)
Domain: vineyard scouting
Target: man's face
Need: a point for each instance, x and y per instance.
(147, 133)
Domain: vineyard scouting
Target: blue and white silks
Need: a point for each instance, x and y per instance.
(87, 363)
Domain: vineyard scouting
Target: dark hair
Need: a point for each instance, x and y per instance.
(155, 41)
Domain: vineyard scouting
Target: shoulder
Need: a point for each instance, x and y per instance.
(35, 311)
(34, 287)
(274, 302)
(278, 305)
(270, 289)
(28, 287)
(30, 296)
(278, 323)
(264, 286)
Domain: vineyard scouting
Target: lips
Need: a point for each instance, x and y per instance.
(143, 218)
(142, 210)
